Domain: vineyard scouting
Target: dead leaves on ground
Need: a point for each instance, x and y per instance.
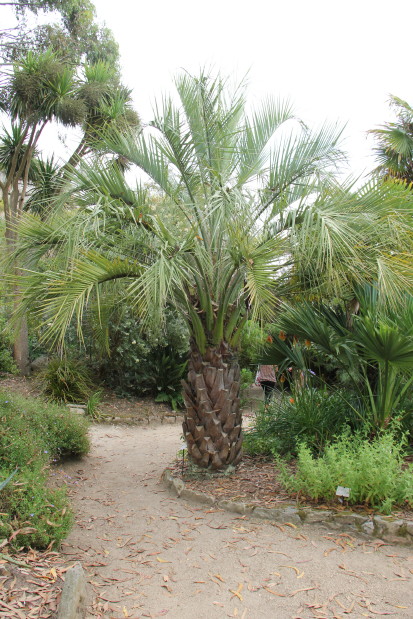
(32, 591)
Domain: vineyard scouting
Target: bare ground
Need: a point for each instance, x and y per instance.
(150, 554)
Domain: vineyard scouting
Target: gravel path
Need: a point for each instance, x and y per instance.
(150, 554)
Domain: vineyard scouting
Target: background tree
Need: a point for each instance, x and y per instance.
(394, 150)
(72, 32)
(254, 220)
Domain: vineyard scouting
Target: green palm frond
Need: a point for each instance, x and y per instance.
(256, 135)
(66, 295)
(383, 342)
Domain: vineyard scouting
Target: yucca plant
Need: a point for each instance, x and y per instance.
(238, 220)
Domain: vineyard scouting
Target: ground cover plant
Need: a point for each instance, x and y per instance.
(33, 435)
(372, 469)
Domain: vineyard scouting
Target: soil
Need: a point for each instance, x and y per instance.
(149, 554)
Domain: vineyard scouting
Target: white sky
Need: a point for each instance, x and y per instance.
(334, 60)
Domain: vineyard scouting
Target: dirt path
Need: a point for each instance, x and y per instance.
(149, 554)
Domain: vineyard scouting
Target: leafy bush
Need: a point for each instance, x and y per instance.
(54, 432)
(247, 379)
(150, 363)
(310, 414)
(371, 469)
(252, 340)
(34, 433)
(66, 380)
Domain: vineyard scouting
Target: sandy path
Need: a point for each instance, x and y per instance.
(149, 554)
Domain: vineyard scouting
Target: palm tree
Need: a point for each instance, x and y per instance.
(241, 219)
(394, 149)
(374, 353)
(41, 89)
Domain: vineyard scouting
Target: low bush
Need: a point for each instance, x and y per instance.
(150, 363)
(313, 415)
(31, 514)
(34, 433)
(34, 430)
(247, 378)
(372, 469)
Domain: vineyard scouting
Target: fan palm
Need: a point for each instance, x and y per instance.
(240, 219)
(375, 351)
(394, 151)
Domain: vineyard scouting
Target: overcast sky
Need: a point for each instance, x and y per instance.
(334, 60)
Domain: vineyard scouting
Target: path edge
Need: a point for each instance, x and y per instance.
(74, 601)
(386, 528)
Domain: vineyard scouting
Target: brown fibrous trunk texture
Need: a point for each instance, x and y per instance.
(213, 419)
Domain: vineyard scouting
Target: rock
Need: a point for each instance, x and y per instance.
(390, 527)
(315, 516)
(78, 409)
(367, 527)
(39, 363)
(179, 486)
(167, 477)
(74, 595)
(265, 513)
(235, 506)
(199, 497)
(284, 515)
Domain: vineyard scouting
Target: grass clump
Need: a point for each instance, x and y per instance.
(33, 434)
(66, 380)
(372, 469)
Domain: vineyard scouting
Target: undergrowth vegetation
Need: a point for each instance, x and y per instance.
(310, 414)
(33, 435)
(372, 469)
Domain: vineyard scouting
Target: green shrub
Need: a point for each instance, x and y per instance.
(373, 470)
(42, 515)
(150, 363)
(246, 380)
(32, 434)
(66, 380)
(253, 339)
(310, 414)
(53, 431)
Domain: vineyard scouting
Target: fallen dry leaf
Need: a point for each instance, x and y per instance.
(237, 592)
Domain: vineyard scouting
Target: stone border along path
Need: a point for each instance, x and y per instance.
(386, 528)
(148, 553)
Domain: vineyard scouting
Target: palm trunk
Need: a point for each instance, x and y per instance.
(212, 425)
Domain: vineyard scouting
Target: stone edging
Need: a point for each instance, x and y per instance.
(386, 528)
(73, 602)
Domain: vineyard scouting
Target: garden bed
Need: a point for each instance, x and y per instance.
(255, 482)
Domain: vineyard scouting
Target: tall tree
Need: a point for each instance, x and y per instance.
(43, 89)
(251, 219)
